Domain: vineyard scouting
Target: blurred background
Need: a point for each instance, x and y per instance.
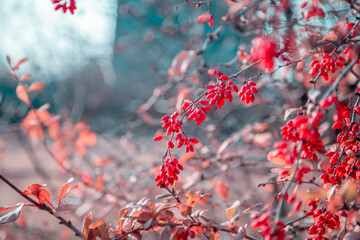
(119, 66)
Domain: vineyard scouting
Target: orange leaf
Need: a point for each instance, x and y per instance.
(99, 183)
(65, 189)
(16, 67)
(36, 86)
(25, 77)
(88, 138)
(186, 157)
(185, 210)
(222, 190)
(277, 158)
(100, 230)
(22, 94)
(192, 199)
(85, 228)
(39, 192)
(231, 210)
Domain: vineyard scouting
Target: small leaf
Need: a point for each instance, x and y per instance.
(20, 62)
(13, 215)
(36, 86)
(40, 193)
(222, 190)
(65, 189)
(8, 60)
(85, 229)
(331, 192)
(25, 77)
(192, 199)
(185, 210)
(100, 230)
(231, 210)
(22, 94)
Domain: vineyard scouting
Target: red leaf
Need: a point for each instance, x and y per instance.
(36, 86)
(11, 216)
(40, 193)
(22, 94)
(65, 189)
(25, 77)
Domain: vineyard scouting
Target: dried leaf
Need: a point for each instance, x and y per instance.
(13, 215)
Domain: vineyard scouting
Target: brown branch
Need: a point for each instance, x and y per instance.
(43, 207)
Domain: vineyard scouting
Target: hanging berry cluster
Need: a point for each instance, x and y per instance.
(327, 64)
(304, 129)
(169, 172)
(323, 219)
(265, 223)
(344, 162)
(196, 110)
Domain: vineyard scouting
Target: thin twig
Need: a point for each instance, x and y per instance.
(43, 207)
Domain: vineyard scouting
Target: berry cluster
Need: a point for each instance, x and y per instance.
(327, 64)
(323, 219)
(312, 11)
(221, 91)
(207, 17)
(356, 31)
(171, 123)
(265, 224)
(65, 5)
(182, 139)
(196, 111)
(305, 129)
(344, 162)
(247, 92)
(168, 172)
